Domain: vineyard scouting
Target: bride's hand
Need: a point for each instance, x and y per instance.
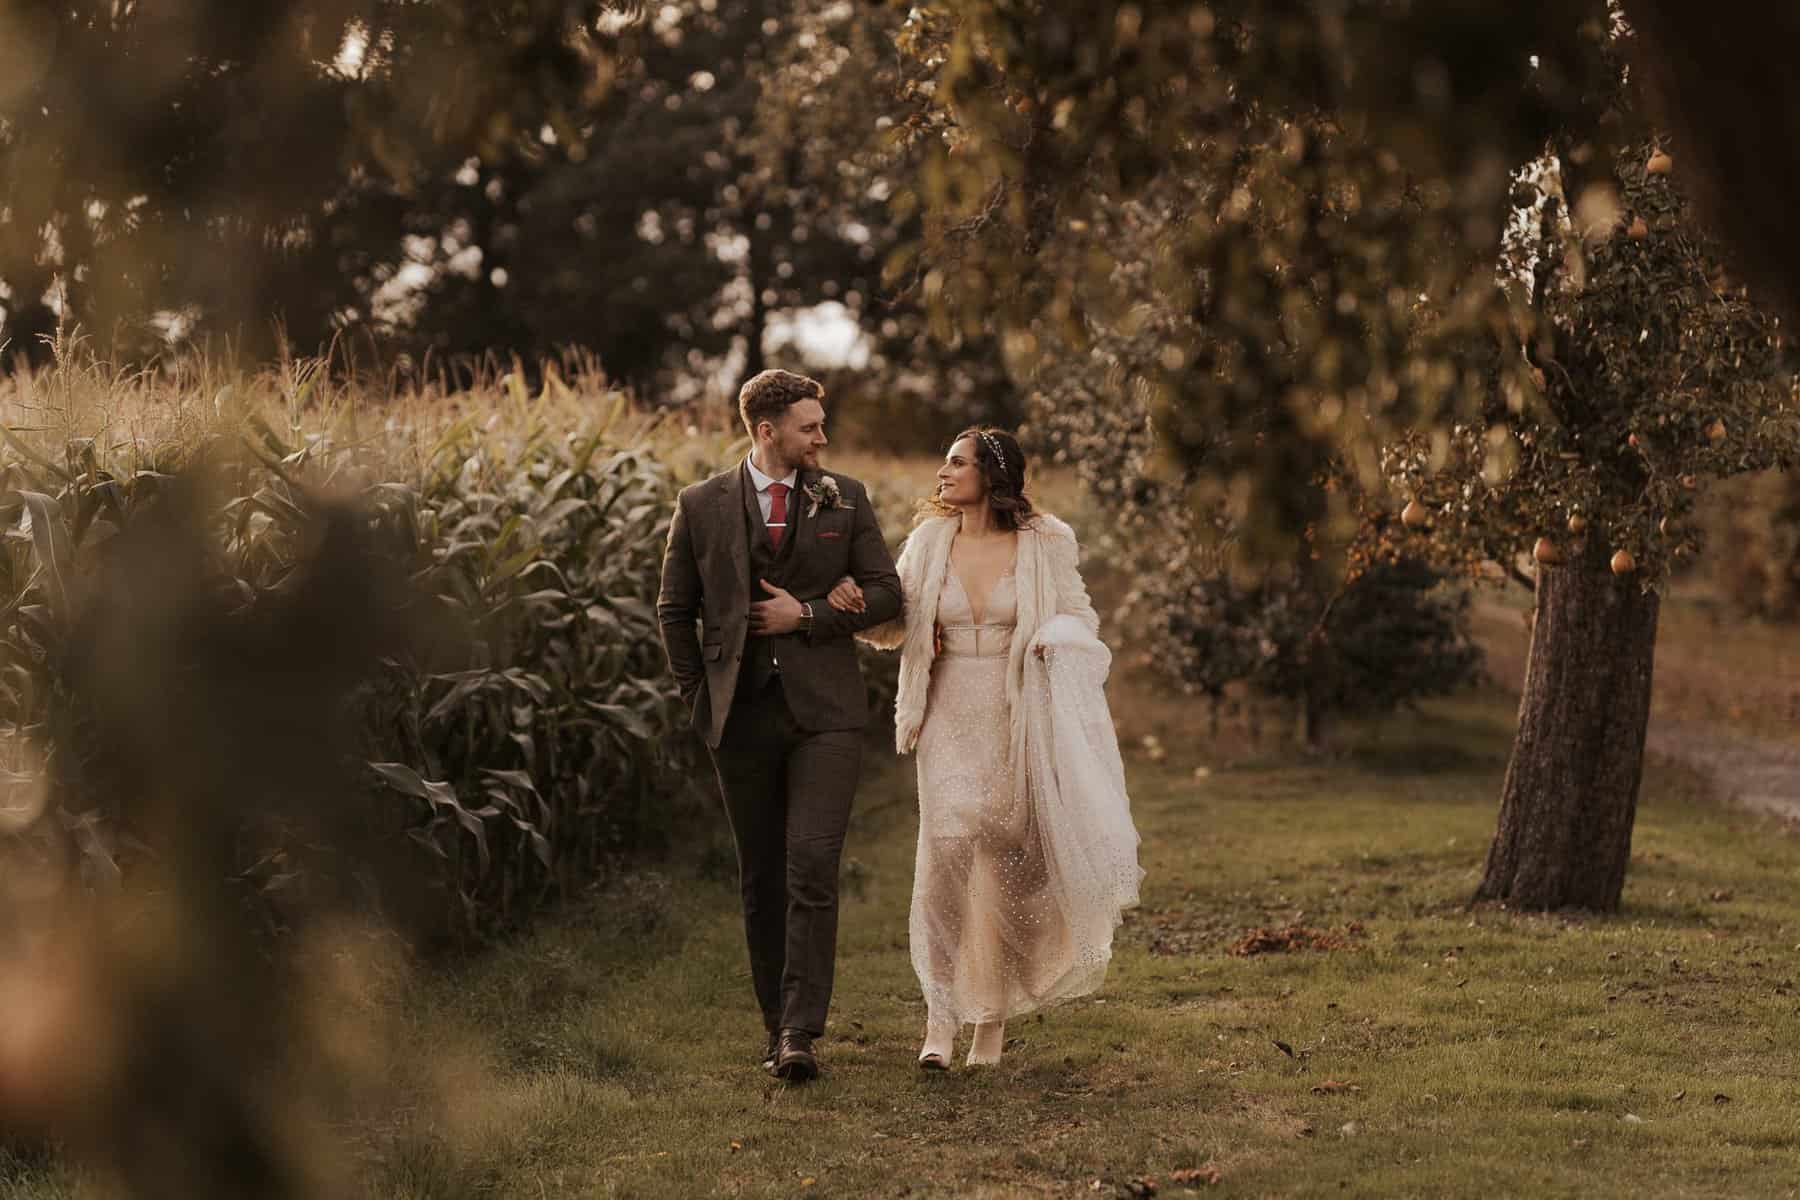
(847, 597)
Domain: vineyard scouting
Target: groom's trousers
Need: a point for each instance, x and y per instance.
(787, 794)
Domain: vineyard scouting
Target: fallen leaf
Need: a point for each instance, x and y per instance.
(1719, 895)
(1263, 940)
(1349, 1129)
(736, 1146)
(1721, 1098)
(1141, 1188)
(1679, 1096)
(1285, 1048)
(807, 1181)
(1632, 1119)
(1208, 1175)
(1332, 1087)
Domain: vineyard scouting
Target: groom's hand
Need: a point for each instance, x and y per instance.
(777, 616)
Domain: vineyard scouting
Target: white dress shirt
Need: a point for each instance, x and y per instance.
(762, 483)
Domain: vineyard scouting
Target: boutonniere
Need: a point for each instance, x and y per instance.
(824, 493)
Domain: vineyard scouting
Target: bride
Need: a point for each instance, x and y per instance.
(1027, 855)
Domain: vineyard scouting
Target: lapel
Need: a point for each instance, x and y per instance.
(756, 529)
(737, 535)
(800, 525)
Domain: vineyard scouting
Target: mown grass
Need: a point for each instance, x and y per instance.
(1481, 1053)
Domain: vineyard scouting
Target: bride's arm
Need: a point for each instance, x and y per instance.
(890, 634)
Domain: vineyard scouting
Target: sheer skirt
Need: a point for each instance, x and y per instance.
(989, 938)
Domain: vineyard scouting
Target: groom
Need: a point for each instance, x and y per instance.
(771, 675)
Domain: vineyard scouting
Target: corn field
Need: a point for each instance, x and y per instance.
(512, 723)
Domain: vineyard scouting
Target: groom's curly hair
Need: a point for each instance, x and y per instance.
(768, 394)
(1002, 464)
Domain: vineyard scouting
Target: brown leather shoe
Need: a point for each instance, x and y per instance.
(794, 1058)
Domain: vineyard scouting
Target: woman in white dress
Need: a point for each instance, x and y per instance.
(1027, 855)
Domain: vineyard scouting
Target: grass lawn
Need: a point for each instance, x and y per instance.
(1441, 1052)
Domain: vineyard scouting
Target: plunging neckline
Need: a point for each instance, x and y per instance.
(976, 615)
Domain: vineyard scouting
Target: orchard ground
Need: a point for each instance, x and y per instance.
(1435, 1050)
(1439, 1051)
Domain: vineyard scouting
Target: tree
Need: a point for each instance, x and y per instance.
(248, 163)
(1657, 374)
(1368, 633)
(731, 177)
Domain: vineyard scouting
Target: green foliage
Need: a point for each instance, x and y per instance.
(1366, 630)
(521, 729)
(1392, 636)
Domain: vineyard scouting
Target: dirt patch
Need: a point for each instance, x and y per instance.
(1754, 773)
(1719, 693)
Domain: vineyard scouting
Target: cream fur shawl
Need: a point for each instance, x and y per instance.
(1047, 579)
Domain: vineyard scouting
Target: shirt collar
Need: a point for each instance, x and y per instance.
(762, 481)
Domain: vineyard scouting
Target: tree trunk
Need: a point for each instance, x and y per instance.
(29, 326)
(1315, 723)
(1571, 790)
(754, 358)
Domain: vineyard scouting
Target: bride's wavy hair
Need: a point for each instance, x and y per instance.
(1002, 465)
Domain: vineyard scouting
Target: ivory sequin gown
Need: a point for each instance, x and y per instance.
(988, 936)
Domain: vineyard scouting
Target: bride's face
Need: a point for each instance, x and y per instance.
(960, 480)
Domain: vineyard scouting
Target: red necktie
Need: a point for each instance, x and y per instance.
(777, 513)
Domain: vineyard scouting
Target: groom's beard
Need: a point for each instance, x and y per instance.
(809, 459)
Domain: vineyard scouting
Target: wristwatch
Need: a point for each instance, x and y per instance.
(805, 619)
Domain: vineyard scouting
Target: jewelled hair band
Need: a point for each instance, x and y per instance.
(994, 448)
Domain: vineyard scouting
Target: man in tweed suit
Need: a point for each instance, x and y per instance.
(770, 672)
